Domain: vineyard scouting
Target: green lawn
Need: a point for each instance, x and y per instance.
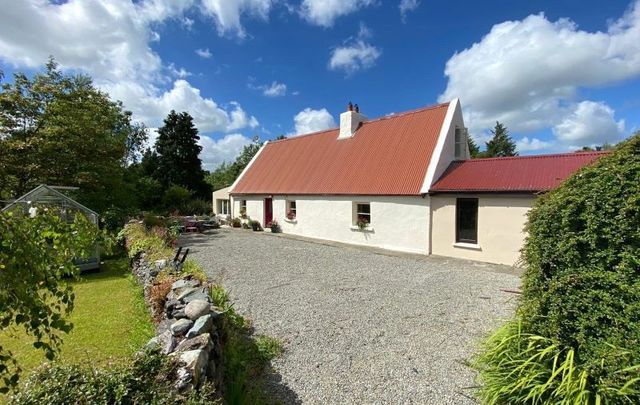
(110, 321)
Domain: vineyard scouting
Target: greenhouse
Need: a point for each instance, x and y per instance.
(45, 196)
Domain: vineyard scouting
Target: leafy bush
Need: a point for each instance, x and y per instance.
(36, 253)
(522, 368)
(141, 382)
(175, 198)
(139, 239)
(196, 207)
(236, 222)
(581, 290)
(151, 220)
(274, 226)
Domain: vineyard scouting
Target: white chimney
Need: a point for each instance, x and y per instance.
(350, 121)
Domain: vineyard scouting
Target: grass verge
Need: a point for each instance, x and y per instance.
(110, 321)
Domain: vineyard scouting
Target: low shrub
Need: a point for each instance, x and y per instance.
(139, 239)
(143, 381)
(151, 220)
(236, 222)
(196, 207)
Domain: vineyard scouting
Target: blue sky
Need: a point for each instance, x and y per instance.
(559, 74)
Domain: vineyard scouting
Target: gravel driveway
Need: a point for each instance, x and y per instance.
(360, 326)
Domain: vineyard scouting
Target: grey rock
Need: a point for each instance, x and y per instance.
(170, 304)
(200, 294)
(187, 291)
(200, 342)
(179, 314)
(164, 341)
(184, 283)
(204, 324)
(181, 326)
(197, 308)
(193, 367)
(161, 264)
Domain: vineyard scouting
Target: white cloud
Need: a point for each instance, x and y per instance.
(527, 73)
(407, 6)
(309, 120)
(227, 13)
(181, 72)
(215, 152)
(275, 90)
(204, 53)
(325, 12)
(529, 145)
(589, 124)
(110, 41)
(355, 53)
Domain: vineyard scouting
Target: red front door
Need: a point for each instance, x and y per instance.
(268, 211)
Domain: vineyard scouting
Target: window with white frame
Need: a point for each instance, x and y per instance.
(461, 142)
(224, 207)
(291, 209)
(243, 208)
(362, 215)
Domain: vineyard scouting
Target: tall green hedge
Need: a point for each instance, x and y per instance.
(581, 292)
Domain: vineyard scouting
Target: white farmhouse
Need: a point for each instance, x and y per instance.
(407, 177)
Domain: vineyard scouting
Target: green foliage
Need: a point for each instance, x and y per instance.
(36, 253)
(501, 144)
(268, 348)
(197, 207)
(154, 242)
(226, 174)
(581, 291)
(474, 150)
(176, 198)
(523, 368)
(178, 160)
(61, 130)
(143, 381)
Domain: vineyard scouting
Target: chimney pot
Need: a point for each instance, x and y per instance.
(349, 106)
(357, 108)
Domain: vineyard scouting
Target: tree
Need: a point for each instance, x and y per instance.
(60, 129)
(178, 160)
(220, 177)
(36, 253)
(501, 144)
(474, 150)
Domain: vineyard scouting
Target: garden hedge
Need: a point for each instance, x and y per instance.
(581, 289)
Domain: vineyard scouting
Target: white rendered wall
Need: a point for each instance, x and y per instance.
(501, 219)
(397, 223)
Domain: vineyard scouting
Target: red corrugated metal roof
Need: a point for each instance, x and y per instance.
(386, 156)
(512, 174)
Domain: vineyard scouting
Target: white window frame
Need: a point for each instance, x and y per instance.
(357, 214)
(292, 206)
(224, 207)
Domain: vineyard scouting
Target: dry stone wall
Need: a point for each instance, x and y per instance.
(188, 328)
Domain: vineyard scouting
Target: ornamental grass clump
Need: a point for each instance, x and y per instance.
(577, 334)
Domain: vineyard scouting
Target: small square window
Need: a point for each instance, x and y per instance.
(467, 220)
(291, 209)
(362, 214)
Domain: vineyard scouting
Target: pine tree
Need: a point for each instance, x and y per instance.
(474, 150)
(501, 144)
(178, 161)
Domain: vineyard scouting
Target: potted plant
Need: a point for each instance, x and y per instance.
(291, 215)
(255, 225)
(243, 214)
(275, 226)
(236, 223)
(362, 223)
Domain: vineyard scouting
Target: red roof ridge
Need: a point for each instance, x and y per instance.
(384, 117)
(546, 155)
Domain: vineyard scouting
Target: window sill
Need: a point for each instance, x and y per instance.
(291, 221)
(470, 246)
(357, 229)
